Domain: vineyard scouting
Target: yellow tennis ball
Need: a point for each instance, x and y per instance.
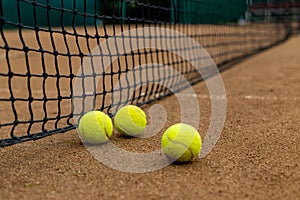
(95, 127)
(130, 121)
(181, 143)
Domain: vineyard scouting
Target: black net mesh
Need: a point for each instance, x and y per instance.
(44, 43)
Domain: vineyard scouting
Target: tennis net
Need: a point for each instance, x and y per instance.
(44, 43)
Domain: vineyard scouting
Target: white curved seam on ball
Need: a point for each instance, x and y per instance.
(181, 145)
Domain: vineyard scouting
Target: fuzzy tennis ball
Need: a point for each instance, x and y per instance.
(130, 121)
(181, 143)
(95, 127)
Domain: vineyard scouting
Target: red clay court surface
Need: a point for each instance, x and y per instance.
(257, 156)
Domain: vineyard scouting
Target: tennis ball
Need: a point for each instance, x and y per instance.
(181, 143)
(130, 121)
(95, 127)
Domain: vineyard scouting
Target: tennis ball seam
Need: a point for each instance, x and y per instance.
(191, 152)
(123, 130)
(138, 111)
(105, 127)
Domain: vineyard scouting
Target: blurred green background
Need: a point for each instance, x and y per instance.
(79, 12)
